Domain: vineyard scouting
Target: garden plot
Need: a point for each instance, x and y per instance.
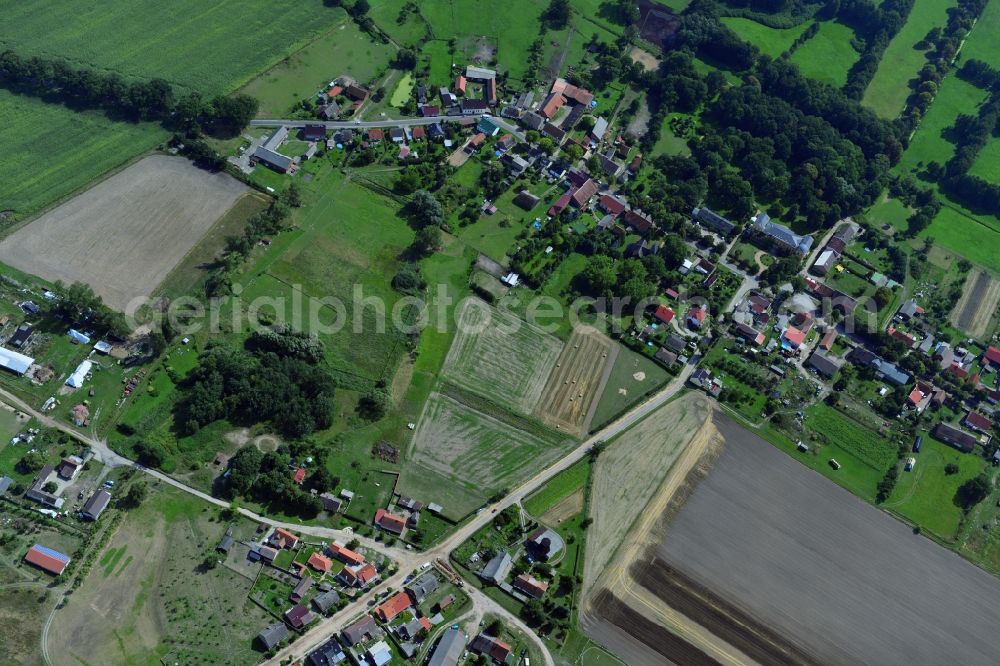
(500, 356)
(976, 307)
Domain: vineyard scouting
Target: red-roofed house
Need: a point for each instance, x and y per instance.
(901, 336)
(793, 337)
(992, 356)
(491, 91)
(334, 91)
(560, 205)
(664, 314)
(282, 538)
(418, 132)
(638, 221)
(390, 522)
(47, 559)
(552, 104)
(695, 317)
(672, 293)
(345, 555)
(827, 342)
(531, 586)
(584, 193)
(320, 562)
(300, 475)
(358, 576)
(494, 648)
(611, 204)
(375, 135)
(393, 606)
(978, 422)
(460, 84)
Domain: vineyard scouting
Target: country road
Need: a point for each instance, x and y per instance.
(363, 124)
(406, 560)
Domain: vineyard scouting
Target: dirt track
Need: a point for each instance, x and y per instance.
(977, 305)
(124, 235)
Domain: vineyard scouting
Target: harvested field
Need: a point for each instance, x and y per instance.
(475, 451)
(124, 235)
(569, 397)
(628, 474)
(499, 356)
(977, 305)
(815, 566)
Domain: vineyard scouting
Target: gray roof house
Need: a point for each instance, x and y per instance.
(782, 235)
(327, 654)
(496, 570)
(823, 364)
(5, 483)
(272, 634)
(325, 601)
(364, 629)
(422, 587)
(675, 343)
(890, 373)
(448, 649)
(709, 218)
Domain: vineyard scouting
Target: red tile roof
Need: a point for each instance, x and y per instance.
(300, 475)
(559, 205)
(827, 341)
(345, 555)
(460, 84)
(47, 559)
(375, 134)
(697, 313)
(334, 91)
(284, 539)
(390, 522)
(393, 606)
(664, 314)
(320, 562)
(419, 132)
(366, 574)
(978, 421)
(530, 585)
(794, 336)
(992, 355)
(612, 204)
(552, 104)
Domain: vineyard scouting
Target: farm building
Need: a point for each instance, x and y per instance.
(479, 73)
(22, 335)
(47, 559)
(15, 362)
(449, 649)
(575, 93)
(532, 120)
(976, 421)
(526, 200)
(599, 130)
(96, 505)
(37, 493)
(78, 337)
(827, 259)
(827, 342)
(638, 221)
(473, 107)
(496, 570)
(960, 439)
(79, 375)
(552, 103)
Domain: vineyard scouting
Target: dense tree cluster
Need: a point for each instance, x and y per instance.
(255, 385)
(284, 341)
(79, 303)
(154, 99)
(265, 478)
(876, 25)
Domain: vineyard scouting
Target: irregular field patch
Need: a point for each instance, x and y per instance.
(978, 303)
(567, 400)
(632, 377)
(499, 356)
(829, 55)
(770, 41)
(564, 510)
(124, 235)
(558, 488)
(475, 451)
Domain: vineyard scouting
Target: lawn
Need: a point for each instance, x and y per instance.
(829, 55)
(411, 31)
(669, 143)
(982, 43)
(344, 49)
(213, 47)
(888, 91)
(558, 488)
(929, 143)
(987, 164)
(968, 236)
(924, 495)
(439, 58)
(890, 211)
(51, 152)
(632, 377)
(770, 41)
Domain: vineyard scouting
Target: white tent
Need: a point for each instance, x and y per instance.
(76, 379)
(15, 362)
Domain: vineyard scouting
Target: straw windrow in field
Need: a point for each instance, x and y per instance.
(567, 401)
(975, 309)
(500, 356)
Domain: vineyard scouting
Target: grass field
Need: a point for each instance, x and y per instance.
(829, 55)
(669, 143)
(558, 488)
(888, 91)
(123, 236)
(473, 452)
(193, 45)
(770, 41)
(342, 50)
(632, 377)
(147, 599)
(51, 151)
(924, 495)
(852, 436)
(987, 164)
(929, 143)
(982, 43)
(500, 356)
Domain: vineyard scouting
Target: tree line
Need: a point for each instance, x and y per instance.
(54, 79)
